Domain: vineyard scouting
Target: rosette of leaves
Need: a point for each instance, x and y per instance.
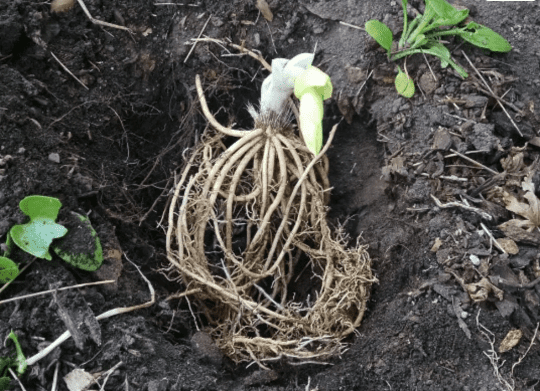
(423, 34)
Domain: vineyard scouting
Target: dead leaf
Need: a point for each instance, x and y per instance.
(512, 339)
(436, 245)
(514, 230)
(508, 245)
(530, 210)
(263, 6)
(396, 166)
(62, 5)
(479, 291)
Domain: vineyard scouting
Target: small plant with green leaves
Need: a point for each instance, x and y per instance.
(36, 236)
(17, 362)
(423, 35)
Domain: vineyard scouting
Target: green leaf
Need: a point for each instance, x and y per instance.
(404, 84)
(446, 14)
(440, 51)
(8, 270)
(4, 383)
(36, 236)
(380, 33)
(485, 37)
(81, 246)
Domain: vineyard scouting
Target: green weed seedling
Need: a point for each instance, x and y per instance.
(36, 237)
(423, 35)
(18, 363)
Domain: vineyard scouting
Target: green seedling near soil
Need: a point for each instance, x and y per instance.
(423, 33)
(36, 236)
(18, 363)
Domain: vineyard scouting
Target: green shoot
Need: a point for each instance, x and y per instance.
(18, 362)
(422, 34)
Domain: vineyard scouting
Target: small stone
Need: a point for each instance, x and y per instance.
(217, 22)
(474, 260)
(21, 150)
(427, 83)
(464, 314)
(54, 157)
(206, 348)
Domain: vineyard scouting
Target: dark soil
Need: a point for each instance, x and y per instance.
(110, 151)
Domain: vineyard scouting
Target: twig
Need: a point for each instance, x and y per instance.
(351, 25)
(55, 290)
(14, 375)
(271, 37)
(97, 21)
(188, 5)
(364, 83)
(68, 71)
(107, 314)
(474, 162)
(55, 377)
(493, 94)
(429, 66)
(109, 372)
(484, 215)
(488, 232)
(195, 43)
(492, 355)
(22, 270)
(527, 351)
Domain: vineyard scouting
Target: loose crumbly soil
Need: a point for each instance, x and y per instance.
(111, 151)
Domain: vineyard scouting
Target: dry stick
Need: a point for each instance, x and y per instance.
(68, 71)
(488, 232)
(55, 376)
(195, 43)
(490, 90)
(14, 376)
(351, 25)
(485, 216)
(500, 98)
(109, 372)
(429, 66)
(55, 290)
(474, 162)
(107, 314)
(22, 270)
(97, 21)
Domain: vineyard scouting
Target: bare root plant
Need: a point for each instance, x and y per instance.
(247, 224)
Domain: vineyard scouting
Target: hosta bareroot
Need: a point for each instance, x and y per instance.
(248, 238)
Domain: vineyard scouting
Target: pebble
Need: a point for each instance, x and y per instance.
(21, 150)
(54, 157)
